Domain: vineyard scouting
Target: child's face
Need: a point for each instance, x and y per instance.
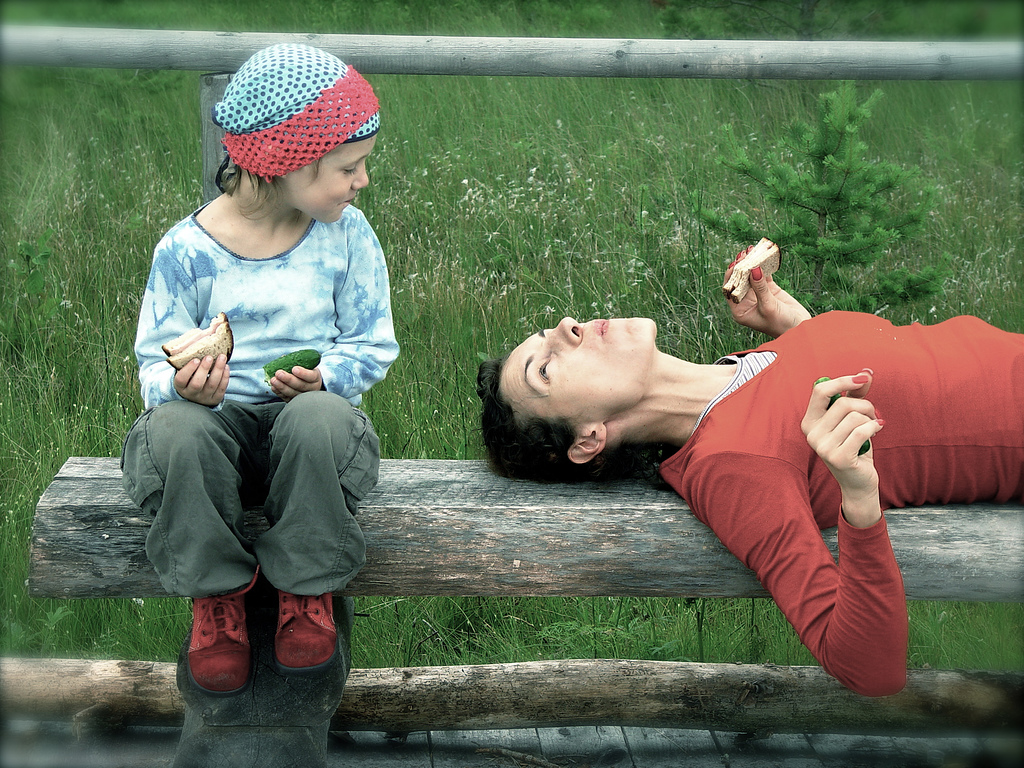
(324, 195)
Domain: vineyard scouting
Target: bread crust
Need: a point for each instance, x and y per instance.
(765, 254)
(216, 339)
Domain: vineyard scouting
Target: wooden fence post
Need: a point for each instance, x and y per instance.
(211, 89)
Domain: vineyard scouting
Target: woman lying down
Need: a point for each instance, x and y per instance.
(767, 455)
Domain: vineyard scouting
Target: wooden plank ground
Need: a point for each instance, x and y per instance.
(30, 744)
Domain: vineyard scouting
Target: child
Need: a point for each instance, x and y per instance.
(285, 255)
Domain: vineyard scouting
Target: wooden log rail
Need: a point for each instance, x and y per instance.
(745, 698)
(207, 51)
(444, 527)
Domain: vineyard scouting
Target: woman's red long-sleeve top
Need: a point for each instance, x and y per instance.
(952, 396)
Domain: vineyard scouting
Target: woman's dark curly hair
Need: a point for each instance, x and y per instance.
(531, 448)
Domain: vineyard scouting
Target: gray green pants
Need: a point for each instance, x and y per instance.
(195, 469)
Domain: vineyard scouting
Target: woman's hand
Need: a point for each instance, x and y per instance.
(837, 433)
(287, 385)
(203, 381)
(767, 307)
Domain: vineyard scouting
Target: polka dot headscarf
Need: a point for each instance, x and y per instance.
(291, 104)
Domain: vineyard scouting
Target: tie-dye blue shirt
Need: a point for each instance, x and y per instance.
(330, 292)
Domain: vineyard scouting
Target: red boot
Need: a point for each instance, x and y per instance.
(306, 637)
(218, 651)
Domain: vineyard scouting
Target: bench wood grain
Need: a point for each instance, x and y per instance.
(450, 527)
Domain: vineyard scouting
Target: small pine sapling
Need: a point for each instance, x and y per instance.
(833, 211)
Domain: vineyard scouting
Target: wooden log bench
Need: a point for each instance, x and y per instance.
(438, 527)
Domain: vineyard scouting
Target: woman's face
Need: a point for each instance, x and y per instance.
(581, 372)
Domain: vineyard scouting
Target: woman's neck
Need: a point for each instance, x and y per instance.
(678, 393)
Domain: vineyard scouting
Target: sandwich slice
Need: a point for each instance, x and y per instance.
(764, 255)
(199, 342)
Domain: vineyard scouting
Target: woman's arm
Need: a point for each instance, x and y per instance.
(767, 308)
(850, 615)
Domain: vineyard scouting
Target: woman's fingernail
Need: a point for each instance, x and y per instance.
(861, 378)
(867, 370)
(881, 422)
(756, 273)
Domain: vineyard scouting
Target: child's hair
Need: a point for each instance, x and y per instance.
(288, 106)
(230, 179)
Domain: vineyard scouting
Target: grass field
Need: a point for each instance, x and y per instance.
(503, 204)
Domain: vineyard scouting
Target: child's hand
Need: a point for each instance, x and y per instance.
(287, 385)
(837, 433)
(203, 381)
(766, 307)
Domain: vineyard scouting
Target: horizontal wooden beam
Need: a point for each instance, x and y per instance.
(440, 527)
(509, 57)
(732, 697)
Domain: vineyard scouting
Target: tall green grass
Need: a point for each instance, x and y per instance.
(503, 204)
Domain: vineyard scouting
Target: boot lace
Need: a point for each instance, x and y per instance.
(296, 606)
(220, 616)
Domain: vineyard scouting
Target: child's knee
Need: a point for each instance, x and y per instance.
(324, 412)
(330, 425)
(179, 419)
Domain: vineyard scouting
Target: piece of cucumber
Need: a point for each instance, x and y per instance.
(304, 358)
